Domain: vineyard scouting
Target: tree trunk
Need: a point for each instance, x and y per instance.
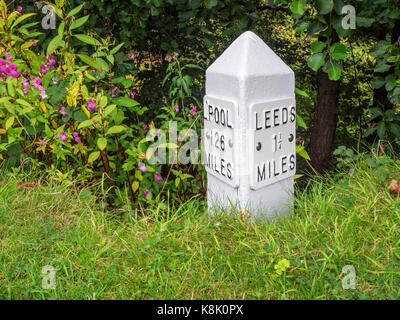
(325, 120)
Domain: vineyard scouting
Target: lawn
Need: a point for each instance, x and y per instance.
(342, 219)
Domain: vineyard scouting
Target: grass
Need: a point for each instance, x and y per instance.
(186, 254)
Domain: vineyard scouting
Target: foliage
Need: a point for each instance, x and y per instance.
(68, 111)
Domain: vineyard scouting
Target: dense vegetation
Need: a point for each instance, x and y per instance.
(78, 97)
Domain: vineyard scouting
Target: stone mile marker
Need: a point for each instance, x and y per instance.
(250, 130)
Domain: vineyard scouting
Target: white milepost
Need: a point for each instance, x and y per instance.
(250, 130)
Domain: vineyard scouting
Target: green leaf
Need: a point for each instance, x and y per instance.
(318, 46)
(395, 128)
(61, 29)
(85, 124)
(301, 93)
(94, 156)
(135, 185)
(9, 122)
(96, 63)
(302, 152)
(21, 18)
(324, 6)
(24, 103)
(378, 82)
(381, 67)
(109, 109)
(103, 101)
(316, 61)
(300, 122)
(379, 49)
(211, 3)
(338, 51)
(116, 129)
(87, 39)
(75, 11)
(334, 73)
(125, 102)
(102, 143)
(54, 43)
(116, 49)
(381, 129)
(298, 7)
(79, 22)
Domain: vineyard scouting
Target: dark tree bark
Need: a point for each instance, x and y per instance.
(323, 132)
(325, 118)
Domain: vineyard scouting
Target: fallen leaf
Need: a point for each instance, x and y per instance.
(394, 187)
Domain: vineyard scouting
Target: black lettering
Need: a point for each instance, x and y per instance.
(261, 175)
(228, 169)
(222, 167)
(292, 162)
(223, 117)
(210, 111)
(267, 118)
(227, 119)
(216, 115)
(208, 163)
(275, 173)
(285, 115)
(269, 169)
(283, 162)
(292, 114)
(276, 116)
(257, 127)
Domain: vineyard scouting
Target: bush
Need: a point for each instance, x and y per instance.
(69, 113)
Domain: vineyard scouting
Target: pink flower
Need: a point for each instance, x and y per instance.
(176, 108)
(54, 81)
(158, 176)
(44, 95)
(12, 66)
(2, 63)
(145, 127)
(62, 111)
(133, 94)
(142, 167)
(373, 124)
(76, 137)
(91, 105)
(42, 142)
(194, 111)
(146, 192)
(63, 136)
(43, 69)
(14, 74)
(20, 9)
(9, 57)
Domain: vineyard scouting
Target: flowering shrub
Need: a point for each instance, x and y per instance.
(68, 112)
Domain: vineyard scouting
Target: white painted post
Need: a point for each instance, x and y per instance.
(250, 130)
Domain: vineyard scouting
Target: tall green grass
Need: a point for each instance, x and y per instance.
(343, 219)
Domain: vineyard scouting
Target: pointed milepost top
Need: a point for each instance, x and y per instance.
(248, 56)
